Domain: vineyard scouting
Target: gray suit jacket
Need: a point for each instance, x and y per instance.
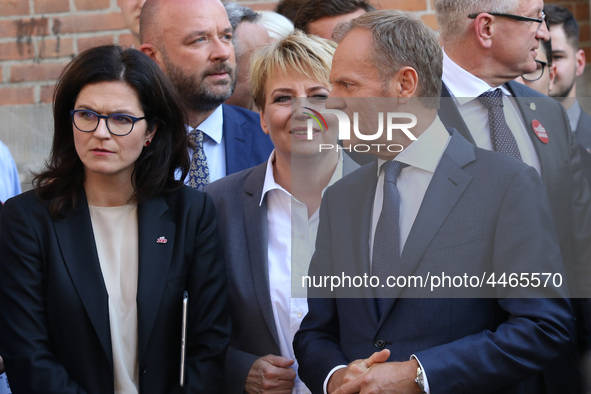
(243, 228)
(583, 138)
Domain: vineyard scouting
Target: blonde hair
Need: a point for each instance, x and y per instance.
(305, 54)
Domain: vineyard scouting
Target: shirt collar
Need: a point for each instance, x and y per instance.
(425, 153)
(212, 125)
(463, 85)
(270, 183)
(573, 113)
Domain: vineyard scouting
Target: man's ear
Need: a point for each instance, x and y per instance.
(580, 62)
(151, 51)
(484, 29)
(404, 83)
(552, 73)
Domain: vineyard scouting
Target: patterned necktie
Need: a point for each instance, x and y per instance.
(500, 134)
(386, 243)
(199, 171)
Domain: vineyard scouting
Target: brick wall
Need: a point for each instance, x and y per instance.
(38, 37)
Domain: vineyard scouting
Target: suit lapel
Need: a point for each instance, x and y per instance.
(154, 262)
(76, 241)
(447, 186)
(255, 219)
(450, 115)
(236, 140)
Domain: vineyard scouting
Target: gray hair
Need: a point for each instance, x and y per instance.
(238, 13)
(400, 40)
(452, 15)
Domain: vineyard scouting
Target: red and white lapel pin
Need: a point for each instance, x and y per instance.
(161, 240)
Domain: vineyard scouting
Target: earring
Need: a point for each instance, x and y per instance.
(148, 143)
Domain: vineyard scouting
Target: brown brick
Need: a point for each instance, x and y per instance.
(262, 6)
(56, 47)
(584, 32)
(16, 96)
(128, 41)
(17, 51)
(47, 93)
(14, 7)
(582, 12)
(88, 22)
(404, 5)
(35, 72)
(89, 42)
(83, 5)
(430, 20)
(51, 6)
(24, 28)
(1, 75)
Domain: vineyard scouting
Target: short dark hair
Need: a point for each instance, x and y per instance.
(557, 15)
(62, 180)
(313, 10)
(289, 8)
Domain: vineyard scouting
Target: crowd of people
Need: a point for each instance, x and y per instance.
(216, 198)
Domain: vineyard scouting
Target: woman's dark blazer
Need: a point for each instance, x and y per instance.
(54, 318)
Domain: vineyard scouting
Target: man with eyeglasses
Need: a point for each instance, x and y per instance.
(486, 45)
(570, 63)
(542, 79)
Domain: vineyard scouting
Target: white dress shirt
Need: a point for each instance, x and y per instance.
(465, 88)
(422, 156)
(214, 146)
(291, 241)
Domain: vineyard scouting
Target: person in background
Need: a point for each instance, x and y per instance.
(191, 40)
(268, 215)
(249, 34)
(10, 186)
(320, 17)
(542, 79)
(131, 9)
(276, 24)
(9, 181)
(96, 259)
(570, 62)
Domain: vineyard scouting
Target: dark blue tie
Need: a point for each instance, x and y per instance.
(500, 134)
(386, 243)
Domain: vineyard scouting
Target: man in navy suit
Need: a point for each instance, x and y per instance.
(192, 42)
(461, 210)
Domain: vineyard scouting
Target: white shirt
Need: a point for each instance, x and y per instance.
(291, 241)
(214, 146)
(423, 157)
(465, 88)
(116, 237)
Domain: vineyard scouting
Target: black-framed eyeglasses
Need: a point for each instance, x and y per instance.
(87, 121)
(535, 75)
(520, 18)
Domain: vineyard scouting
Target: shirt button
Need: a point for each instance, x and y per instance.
(300, 314)
(379, 343)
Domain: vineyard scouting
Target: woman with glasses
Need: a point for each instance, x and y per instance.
(97, 259)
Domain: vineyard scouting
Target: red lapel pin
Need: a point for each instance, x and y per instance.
(540, 131)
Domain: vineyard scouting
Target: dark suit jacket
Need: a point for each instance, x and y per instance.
(246, 143)
(54, 319)
(583, 138)
(243, 227)
(566, 186)
(471, 219)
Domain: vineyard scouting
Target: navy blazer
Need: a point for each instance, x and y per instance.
(246, 143)
(471, 218)
(243, 228)
(54, 320)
